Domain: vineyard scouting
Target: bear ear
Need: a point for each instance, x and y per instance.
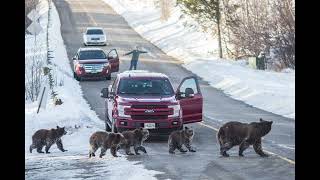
(58, 127)
(186, 128)
(141, 128)
(261, 119)
(136, 131)
(271, 122)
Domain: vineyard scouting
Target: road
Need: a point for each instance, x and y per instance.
(206, 163)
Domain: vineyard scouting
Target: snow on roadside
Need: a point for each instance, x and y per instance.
(80, 122)
(270, 91)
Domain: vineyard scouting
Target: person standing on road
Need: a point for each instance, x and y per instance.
(135, 57)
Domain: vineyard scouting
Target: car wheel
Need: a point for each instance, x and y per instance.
(76, 77)
(108, 128)
(108, 77)
(114, 128)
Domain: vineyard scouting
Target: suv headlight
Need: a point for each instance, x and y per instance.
(176, 110)
(121, 111)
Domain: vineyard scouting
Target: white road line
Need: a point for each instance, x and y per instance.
(281, 157)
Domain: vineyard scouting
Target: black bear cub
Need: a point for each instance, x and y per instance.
(243, 134)
(44, 137)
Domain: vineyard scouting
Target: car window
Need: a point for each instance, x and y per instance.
(189, 83)
(145, 87)
(113, 54)
(92, 54)
(94, 31)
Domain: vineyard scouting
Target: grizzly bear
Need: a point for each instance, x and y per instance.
(44, 137)
(105, 140)
(181, 137)
(135, 138)
(243, 134)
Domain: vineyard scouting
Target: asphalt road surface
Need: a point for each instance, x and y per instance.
(206, 163)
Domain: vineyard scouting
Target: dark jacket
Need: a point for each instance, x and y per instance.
(135, 54)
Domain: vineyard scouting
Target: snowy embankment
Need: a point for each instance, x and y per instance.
(181, 38)
(76, 116)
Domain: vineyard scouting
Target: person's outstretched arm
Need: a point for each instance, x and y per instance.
(128, 53)
(143, 51)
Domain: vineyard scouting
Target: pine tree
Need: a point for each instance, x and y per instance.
(204, 11)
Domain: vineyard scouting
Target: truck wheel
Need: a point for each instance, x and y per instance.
(76, 77)
(108, 128)
(108, 77)
(114, 128)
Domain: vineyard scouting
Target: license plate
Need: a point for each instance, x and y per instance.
(149, 125)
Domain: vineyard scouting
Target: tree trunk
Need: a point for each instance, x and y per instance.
(218, 17)
(219, 39)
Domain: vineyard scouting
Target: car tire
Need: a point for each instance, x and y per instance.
(107, 120)
(108, 128)
(108, 77)
(76, 77)
(114, 128)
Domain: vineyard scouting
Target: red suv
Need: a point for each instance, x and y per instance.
(146, 99)
(94, 63)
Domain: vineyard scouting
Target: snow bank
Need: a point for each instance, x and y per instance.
(181, 38)
(80, 122)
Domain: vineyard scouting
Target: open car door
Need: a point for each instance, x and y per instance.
(113, 60)
(190, 98)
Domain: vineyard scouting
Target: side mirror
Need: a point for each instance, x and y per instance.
(104, 93)
(189, 92)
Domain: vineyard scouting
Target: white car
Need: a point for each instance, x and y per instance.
(94, 36)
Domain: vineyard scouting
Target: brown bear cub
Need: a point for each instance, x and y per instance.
(243, 134)
(135, 138)
(179, 138)
(105, 140)
(44, 137)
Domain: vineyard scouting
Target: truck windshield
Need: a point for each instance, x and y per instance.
(145, 87)
(92, 54)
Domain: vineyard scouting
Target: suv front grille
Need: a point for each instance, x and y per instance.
(148, 117)
(93, 67)
(148, 106)
(149, 111)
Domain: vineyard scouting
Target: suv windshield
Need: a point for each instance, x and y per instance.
(94, 31)
(92, 54)
(145, 87)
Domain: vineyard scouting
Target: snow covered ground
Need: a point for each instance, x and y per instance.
(80, 122)
(182, 39)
